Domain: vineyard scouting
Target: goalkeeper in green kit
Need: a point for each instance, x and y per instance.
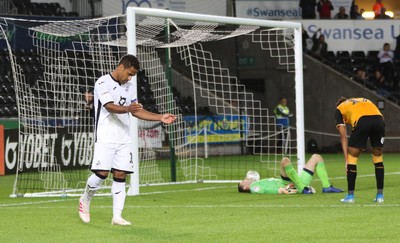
(290, 182)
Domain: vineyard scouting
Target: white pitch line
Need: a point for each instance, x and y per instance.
(33, 203)
(185, 190)
(210, 206)
(143, 193)
(360, 176)
(265, 206)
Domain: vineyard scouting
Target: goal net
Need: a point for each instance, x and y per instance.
(220, 76)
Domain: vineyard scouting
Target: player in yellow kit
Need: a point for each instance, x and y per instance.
(367, 122)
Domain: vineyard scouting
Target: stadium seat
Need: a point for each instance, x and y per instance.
(2, 112)
(358, 54)
(204, 110)
(344, 64)
(7, 111)
(10, 99)
(4, 52)
(358, 58)
(4, 88)
(372, 57)
(357, 63)
(11, 88)
(343, 54)
(7, 79)
(153, 108)
(31, 52)
(13, 109)
(330, 58)
(2, 99)
(56, 9)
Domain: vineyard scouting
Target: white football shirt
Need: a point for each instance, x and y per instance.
(112, 127)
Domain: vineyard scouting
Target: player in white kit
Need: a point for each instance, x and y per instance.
(115, 100)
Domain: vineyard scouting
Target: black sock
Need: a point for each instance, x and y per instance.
(379, 175)
(351, 177)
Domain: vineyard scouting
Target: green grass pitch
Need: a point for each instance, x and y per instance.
(206, 212)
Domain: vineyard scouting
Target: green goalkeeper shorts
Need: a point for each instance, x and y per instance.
(305, 177)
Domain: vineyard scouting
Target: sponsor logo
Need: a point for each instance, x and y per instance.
(271, 13)
(122, 101)
(34, 151)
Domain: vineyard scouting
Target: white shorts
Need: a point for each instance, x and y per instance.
(108, 156)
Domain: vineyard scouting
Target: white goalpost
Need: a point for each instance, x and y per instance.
(221, 77)
(132, 12)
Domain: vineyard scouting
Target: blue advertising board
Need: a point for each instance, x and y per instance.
(215, 129)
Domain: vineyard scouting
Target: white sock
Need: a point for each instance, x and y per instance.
(118, 193)
(92, 185)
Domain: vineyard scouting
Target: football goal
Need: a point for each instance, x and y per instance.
(221, 77)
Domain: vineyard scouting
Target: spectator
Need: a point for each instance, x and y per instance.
(361, 13)
(386, 62)
(396, 64)
(308, 8)
(361, 76)
(320, 47)
(306, 41)
(352, 9)
(85, 113)
(396, 52)
(382, 15)
(341, 14)
(377, 7)
(355, 14)
(379, 82)
(88, 100)
(282, 112)
(324, 8)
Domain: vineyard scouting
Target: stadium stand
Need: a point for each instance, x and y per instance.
(356, 62)
(42, 9)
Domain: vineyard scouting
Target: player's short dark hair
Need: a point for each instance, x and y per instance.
(129, 61)
(241, 189)
(340, 101)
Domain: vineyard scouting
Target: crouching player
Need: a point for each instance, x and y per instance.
(290, 182)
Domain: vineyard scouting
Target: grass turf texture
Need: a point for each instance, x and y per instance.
(216, 213)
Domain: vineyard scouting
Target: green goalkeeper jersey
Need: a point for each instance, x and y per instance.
(267, 186)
